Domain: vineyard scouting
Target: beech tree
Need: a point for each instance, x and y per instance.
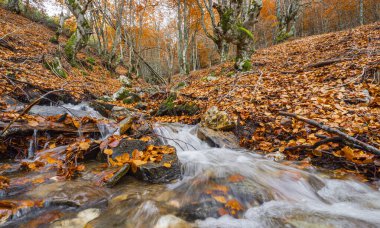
(217, 35)
(236, 23)
(81, 36)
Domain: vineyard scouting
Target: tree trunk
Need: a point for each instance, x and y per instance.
(223, 49)
(82, 34)
(361, 12)
(14, 6)
(244, 51)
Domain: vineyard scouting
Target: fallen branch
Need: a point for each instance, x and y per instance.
(315, 145)
(326, 63)
(363, 145)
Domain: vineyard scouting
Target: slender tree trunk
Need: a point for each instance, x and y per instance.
(361, 12)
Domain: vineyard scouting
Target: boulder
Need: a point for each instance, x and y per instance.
(132, 98)
(158, 172)
(218, 138)
(217, 120)
(120, 112)
(154, 172)
(169, 107)
(103, 108)
(124, 80)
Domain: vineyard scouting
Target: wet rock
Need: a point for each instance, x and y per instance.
(118, 175)
(171, 221)
(217, 120)
(80, 193)
(128, 146)
(218, 138)
(121, 94)
(126, 124)
(124, 80)
(81, 220)
(203, 209)
(276, 156)
(158, 172)
(103, 108)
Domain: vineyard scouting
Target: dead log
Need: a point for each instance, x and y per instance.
(366, 147)
(19, 127)
(326, 63)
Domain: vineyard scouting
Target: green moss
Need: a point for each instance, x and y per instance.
(53, 39)
(168, 107)
(91, 60)
(247, 65)
(225, 20)
(70, 48)
(56, 67)
(132, 98)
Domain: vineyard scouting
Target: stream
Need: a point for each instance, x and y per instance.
(219, 188)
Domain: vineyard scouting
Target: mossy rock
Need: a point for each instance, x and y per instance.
(132, 98)
(121, 94)
(168, 107)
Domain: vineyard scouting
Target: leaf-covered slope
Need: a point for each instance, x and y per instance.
(318, 77)
(23, 45)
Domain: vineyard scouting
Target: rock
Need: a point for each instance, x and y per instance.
(277, 156)
(158, 173)
(203, 209)
(106, 98)
(128, 146)
(103, 108)
(287, 122)
(217, 120)
(81, 220)
(121, 94)
(126, 124)
(141, 105)
(171, 221)
(119, 112)
(132, 98)
(168, 107)
(118, 175)
(125, 81)
(218, 138)
(79, 111)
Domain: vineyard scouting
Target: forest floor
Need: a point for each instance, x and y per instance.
(331, 78)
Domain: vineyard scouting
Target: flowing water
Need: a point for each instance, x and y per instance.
(219, 188)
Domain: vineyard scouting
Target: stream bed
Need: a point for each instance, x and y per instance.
(219, 188)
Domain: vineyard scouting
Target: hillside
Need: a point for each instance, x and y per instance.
(331, 78)
(23, 46)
